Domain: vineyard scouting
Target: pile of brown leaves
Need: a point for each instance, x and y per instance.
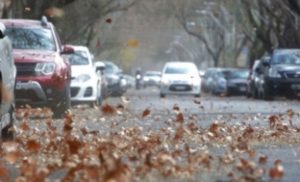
(181, 150)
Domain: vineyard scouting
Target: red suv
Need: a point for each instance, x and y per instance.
(43, 73)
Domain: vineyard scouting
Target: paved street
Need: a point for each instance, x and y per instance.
(204, 111)
(161, 112)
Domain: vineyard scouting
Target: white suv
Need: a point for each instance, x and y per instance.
(8, 77)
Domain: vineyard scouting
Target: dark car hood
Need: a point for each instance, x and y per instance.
(286, 68)
(32, 56)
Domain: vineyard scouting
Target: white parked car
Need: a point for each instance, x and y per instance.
(86, 77)
(8, 77)
(151, 78)
(180, 78)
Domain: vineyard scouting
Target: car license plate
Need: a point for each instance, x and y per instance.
(180, 87)
(21, 86)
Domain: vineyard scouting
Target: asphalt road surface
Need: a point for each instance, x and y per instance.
(206, 109)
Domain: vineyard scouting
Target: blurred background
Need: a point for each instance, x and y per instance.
(148, 33)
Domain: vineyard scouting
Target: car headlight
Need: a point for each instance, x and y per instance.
(123, 82)
(83, 78)
(44, 68)
(165, 81)
(274, 73)
(222, 82)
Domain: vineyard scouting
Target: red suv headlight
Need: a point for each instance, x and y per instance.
(45, 68)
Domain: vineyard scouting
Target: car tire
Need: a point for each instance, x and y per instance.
(255, 94)
(266, 94)
(198, 95)
(99, 99)
(7, 133)
(248, 94)
(64, 104)
(162, 95)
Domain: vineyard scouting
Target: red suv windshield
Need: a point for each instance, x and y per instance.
(33, 38)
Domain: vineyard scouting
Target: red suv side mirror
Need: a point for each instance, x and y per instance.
(67, 50)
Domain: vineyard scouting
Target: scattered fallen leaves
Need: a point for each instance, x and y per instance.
(33, 145)
(132, 153)
(108, 20)
(277, 172)
(108, 109)
(146, 112)
(180, 118)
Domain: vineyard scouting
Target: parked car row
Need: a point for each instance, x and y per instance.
(276, 75)
(37, 70)
(225, 81)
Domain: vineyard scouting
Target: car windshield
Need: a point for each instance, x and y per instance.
(31, 38)
(110, 69)
(152, 74)
(238, 74)
(287, 58)
(225, 74)
(179, 69)
(79, 58)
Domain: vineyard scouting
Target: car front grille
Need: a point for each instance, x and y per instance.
(241, 84)
(292, 75)
(74, 91)
(27, 94)
(88, 92)
(25, 69)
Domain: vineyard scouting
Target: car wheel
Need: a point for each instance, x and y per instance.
(198, 95)
(162, 95)
(248, 94)
(7, 133)
(99, 95)
(64, 104)
(266, 94)
(255, 94)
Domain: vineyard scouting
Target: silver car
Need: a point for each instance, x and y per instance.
(8, 77)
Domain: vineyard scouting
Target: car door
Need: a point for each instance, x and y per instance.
(8, 75)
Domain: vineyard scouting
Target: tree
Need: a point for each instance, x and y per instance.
(214, 25)
(275, 24)
(74, 19)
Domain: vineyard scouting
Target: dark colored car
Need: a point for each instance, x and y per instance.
(237, 82)
(43, 73)
(280, 75)
(115, 81)
(7, 84)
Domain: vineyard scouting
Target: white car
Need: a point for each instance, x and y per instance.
(180, 78)
(7, 85)
(151, 78)
(86, 77)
